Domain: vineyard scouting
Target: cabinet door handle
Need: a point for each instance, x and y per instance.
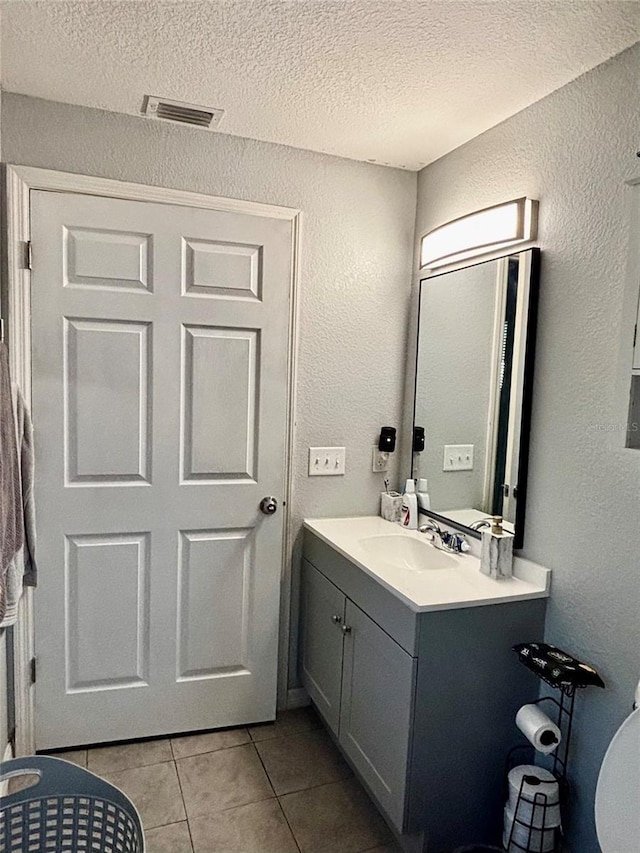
(346, 629)
(336, 619)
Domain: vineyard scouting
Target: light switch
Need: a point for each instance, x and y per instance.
(458, 457)
(326, 461)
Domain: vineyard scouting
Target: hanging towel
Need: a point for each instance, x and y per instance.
(13, 586)
(22, 570)
(11, 509)
(26, 457)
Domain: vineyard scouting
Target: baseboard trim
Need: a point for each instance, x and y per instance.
(297, 697)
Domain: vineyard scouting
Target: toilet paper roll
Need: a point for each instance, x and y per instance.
(530, 789)
(538, 729)
(516, 837)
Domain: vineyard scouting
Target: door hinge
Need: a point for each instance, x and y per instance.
(12, 739)
(28, 255)
(32, 665)
(635, 334)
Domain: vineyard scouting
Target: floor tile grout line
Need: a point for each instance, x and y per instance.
(318, 785)
(238, 806)
(285, 734)
(146, 829)
(184, 805)
(173, 758)
(308, 787)
(266, 772)
(277, 799)
(104, 773)
(323, 785)
(209, 751)
(286, 819)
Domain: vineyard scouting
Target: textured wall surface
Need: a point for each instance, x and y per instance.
(401, 82)
(357, 238)
(454, 370)
(574, 151)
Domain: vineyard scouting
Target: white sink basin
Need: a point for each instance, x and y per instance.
(405, 552)
(406, 563)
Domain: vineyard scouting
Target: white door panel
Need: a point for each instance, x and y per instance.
(160, 346)
(107, 387)
(107, 575)
(219, 390)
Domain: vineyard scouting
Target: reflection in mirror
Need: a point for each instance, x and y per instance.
(473, 389)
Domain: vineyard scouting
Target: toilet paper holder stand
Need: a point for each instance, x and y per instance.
(537, 839)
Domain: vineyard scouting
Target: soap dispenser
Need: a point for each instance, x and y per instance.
(496, 556)
(409, 515)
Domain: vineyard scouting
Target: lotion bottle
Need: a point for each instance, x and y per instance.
(409, 515)
(424, 501)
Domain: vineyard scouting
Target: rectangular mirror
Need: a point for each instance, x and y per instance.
(474, 371)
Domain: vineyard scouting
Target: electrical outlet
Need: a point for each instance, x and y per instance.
(327, 461)
(458, 457)
(379, 460)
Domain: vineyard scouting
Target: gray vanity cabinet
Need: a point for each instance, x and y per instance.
(378, 679)
(422, 704)
(362, 682)
(322, 640)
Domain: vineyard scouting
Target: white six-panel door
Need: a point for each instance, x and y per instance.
(160, 342)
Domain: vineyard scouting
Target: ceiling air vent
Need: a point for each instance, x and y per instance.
(181, 113)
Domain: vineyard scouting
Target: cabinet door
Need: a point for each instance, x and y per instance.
(378, 682)
(322, 639)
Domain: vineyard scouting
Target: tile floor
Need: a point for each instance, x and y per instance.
(275, 788)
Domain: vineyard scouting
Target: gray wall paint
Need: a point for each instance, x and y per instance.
(454, 372)
(355, 277)
(574, 151)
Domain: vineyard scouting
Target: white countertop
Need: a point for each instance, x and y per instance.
(462, 585)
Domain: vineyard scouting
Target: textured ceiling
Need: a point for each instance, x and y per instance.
(399, 82)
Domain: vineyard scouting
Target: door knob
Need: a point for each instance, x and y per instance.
(336, 619)
(346, 629)
(268, 505)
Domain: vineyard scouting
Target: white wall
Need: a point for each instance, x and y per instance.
(574, 151)
(357, 239)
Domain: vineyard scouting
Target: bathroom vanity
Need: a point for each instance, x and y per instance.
(406, 653)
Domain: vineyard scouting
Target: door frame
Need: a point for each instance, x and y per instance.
(16, 302)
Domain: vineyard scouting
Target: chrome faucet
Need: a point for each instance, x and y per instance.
(455, 543)
(482, 522)
(430, 525)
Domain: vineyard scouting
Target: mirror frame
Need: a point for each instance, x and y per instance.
(527, 393)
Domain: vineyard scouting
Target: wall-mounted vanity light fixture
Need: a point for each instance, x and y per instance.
(494, 228)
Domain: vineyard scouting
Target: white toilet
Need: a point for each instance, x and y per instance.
(618, 791)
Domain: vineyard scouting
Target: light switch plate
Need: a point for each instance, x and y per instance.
(327, 461)
(458, 457)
